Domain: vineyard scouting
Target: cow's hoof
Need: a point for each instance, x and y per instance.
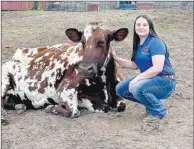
(20, 111)
(105, 108)
(60, 109)
(4, 122)
(21, 108)
(75, 114)
(49, 108)
(121, 106)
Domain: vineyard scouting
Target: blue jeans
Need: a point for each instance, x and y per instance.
(148, 92)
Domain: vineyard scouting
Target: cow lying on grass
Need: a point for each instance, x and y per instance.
(64, 77)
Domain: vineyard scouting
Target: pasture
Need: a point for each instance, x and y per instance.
(40, 130)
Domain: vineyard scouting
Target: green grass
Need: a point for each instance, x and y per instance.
(163, 26)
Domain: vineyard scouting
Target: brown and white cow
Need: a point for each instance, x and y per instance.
(70, 75)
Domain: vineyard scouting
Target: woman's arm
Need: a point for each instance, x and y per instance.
(123, 62)
(158, 63)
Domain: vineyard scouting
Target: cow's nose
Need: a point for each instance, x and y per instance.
(90, 69)
(87, 70)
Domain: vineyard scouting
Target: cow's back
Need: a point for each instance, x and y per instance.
(35, 70)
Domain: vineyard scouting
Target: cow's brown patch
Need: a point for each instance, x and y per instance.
(41, 49)
(65, 61)
(19, 78)
(79, 51)
(43, 85)
(52, 66)
(52, 74)
(26, 77)
(38, 77)
(32, 88)
(50, 85)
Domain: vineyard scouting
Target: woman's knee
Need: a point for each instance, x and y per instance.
(136, 90)
(119, 91)
(122, 87)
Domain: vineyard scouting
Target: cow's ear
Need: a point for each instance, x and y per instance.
(120, 34)
(73, 34)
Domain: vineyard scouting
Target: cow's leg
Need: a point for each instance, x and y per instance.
(61, 109)
(74, 106)
(40, 103)
(13, 102)
(4, 117)
(121, 106)
(105, 106)
(114, 101)
(5, 85)
(70, 97)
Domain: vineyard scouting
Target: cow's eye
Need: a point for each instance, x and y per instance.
(101, 43)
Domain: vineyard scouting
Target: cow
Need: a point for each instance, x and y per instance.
(64, 77)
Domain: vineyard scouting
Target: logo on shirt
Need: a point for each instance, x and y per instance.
(145, 51)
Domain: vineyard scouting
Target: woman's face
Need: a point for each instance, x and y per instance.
(142, 27)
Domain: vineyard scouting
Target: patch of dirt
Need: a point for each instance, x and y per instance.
(40, 130)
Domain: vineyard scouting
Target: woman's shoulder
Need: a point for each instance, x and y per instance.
(156, 40)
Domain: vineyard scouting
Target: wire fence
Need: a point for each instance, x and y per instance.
(184, 5)
(75, 6)
(85, 6)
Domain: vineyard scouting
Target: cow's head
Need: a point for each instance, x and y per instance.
(95, 42)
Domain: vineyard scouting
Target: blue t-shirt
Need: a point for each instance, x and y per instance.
(152, 46)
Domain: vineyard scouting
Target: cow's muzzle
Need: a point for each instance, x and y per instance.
(88, 70)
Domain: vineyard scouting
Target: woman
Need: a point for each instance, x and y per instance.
(156, 80)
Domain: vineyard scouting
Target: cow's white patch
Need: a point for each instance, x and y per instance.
(6, 69)
(38, 59)
(103, 77)
(118, 78)
(39, 103)
(57, 45)
(73, 57)
(119, 102)
(12, 92)
(76, 72)
(87, 82)
(88, 32)
(85, 103)
(89, 28)
(106, 94)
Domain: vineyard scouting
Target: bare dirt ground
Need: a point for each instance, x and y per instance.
(40, 130)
